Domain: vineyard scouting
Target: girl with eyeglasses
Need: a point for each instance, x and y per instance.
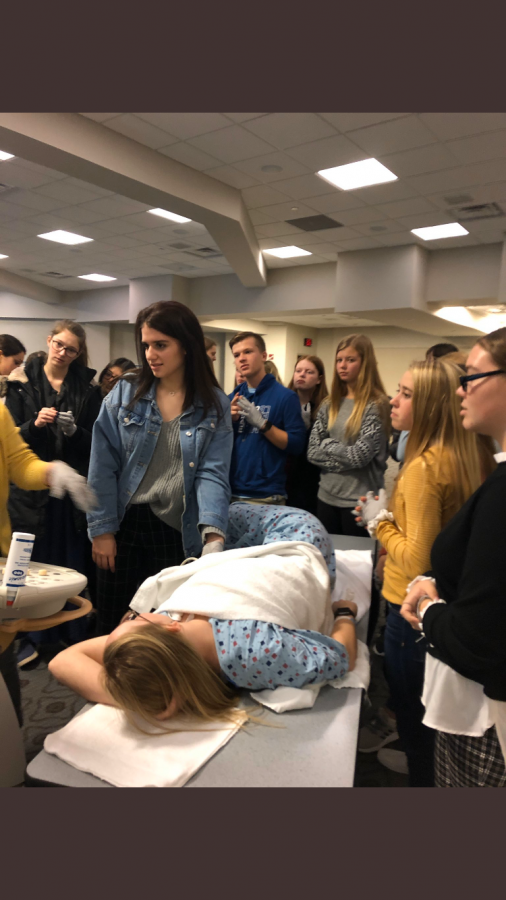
(55, 404)
(441, 470)
(461, 608)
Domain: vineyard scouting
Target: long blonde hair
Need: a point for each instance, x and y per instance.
(437, 425)
(369, 387)
(272, 369)
(146, 669)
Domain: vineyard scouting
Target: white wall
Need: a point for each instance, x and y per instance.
(123, 341)
(33, 334)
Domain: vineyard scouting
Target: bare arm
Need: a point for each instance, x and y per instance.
(80, 668)
(344, 631)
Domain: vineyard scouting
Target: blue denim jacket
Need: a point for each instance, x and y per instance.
(123, 443)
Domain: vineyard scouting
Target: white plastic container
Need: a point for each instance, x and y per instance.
(16, 567)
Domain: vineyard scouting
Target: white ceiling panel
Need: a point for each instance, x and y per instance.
(231, 144)
(422, 220)
(114, 206)
(33, 200)
(303, 186)
(232, 176)
(16, 175)
(388, 226)
(337, 234)
(392, 137)
(406, 207)
(13, 211)
(454, 125)
(350, 121)
(69, 192)
(416, 162)
(139, 130)
(397, 240)
(190, 156)
(186, 125)
(34, 167)
(289, 168)
(243, 117)
(284, 130)
(282, 211)
(336, 201)
(262, 195)
(480, 147)
(328, 152)
(384, 193)
(486, 193)
(80, 215)
(277, 228)
(359, 216)
(360, 243)
(308, 237)
(460, 177)
(260, 218)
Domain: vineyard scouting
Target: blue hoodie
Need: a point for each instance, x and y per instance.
(258, 467)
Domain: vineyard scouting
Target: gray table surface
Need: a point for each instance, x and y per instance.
(307, 748)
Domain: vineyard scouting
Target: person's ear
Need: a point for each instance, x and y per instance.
(264, 356)
(170, 625)
(170, 711)
(49, 339)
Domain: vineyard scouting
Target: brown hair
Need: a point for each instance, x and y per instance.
(321, 390)
(145, 670)
(272, 369)
(369, 387)
(178, 321)
(495, 344)
(208, 343)
(244, 335)
(78, 332)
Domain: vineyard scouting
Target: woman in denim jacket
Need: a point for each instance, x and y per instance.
(160, 460)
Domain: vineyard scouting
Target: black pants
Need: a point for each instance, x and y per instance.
(145, 545)
(9, 671)
(339, 520)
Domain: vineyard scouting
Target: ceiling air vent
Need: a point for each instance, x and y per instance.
(478, 211)
(55, 275)
(205, 253)
(458, 199)
(314, 223)
(180, 245)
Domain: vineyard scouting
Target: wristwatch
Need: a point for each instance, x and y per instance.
(344, 611)
(266, 427)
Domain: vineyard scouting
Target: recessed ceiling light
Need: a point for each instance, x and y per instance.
(271, 168)
(3, 256)
(4, 155)
(439, 231)
(294, 208)
(357, 175)
(165, 214)
(96, 277)
(64, 237)
(287, 252)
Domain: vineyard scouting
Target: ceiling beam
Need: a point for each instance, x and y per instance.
(81, 148)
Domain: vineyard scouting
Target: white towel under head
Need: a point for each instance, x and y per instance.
(101, 741)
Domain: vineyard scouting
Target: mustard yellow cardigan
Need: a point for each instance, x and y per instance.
(17, 464)
(423, 503)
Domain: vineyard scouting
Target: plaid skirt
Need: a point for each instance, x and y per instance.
(463, 761)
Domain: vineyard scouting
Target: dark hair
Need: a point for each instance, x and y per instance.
(321, 391)
(120, 363)
(37, 354)
(495, 344)
(78, 332)
(243, 335)
(439, 350)
(10, 345)
(178, 321)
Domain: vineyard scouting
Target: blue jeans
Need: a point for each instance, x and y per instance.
(404, 670)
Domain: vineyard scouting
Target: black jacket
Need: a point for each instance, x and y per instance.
(25, 398)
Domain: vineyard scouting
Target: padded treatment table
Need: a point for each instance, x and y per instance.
(308, 748)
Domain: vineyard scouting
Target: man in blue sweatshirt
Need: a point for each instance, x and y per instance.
(267, 426)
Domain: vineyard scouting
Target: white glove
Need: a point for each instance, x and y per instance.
(252, 415)
(67, 423)
(63, 479)
(370, 508)
(213, 547)
(305, 412)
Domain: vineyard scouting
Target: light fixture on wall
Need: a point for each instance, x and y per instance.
(357, 175)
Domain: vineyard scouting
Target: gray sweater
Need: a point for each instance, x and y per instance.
(162, 485)
(348, 470)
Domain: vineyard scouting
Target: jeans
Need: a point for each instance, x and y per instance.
(404, 670)
(339, 520)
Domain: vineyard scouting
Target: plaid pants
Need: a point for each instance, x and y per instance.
(145, 545)
(463, 761)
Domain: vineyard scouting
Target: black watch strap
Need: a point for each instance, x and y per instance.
(344, 611)
(267, 427)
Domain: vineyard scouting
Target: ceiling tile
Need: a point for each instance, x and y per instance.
(230, 175)
(422, 220)
(359, 216)
(116, 206)
(360, 243)
(350, 121)
(190, 156)
(486, 193)
(331, 151)
(33, 200)
(104, 229)
(139, 130)
(149, 236)
(392, 137)
(231, 144)
(419, 161)
(290, 129)
(185, 125)
(309, 237)
(21, 177)
(479, 148)
(277, 228)
(289, 167)
(243, 117)
(34, 167)
(13, 211)
(122, 240)
(303, 186)
(260, 218)
(262, 195)
(337, 234)
(100, 117)
(336, 201)
(461, 177)
(282, 211)
(388, 226)
(80, 214)
(406, 207)
(398, 239)
(69, 193)
(454, 125)
(384, 193)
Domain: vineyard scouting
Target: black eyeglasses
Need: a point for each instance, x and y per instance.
(71, 352)
(464, 379)
(134, 615)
